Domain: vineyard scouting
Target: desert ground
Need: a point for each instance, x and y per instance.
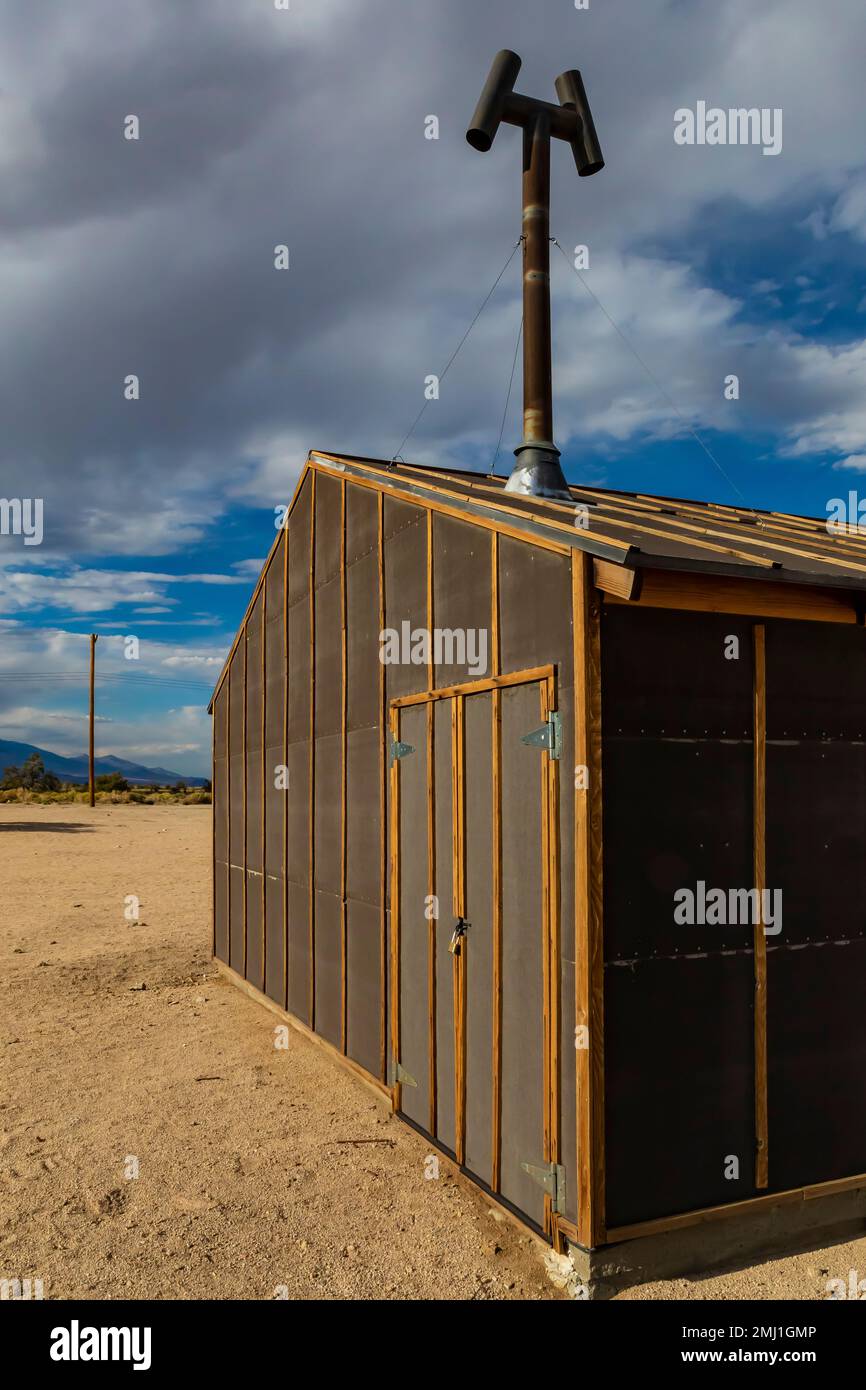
(155, 1144)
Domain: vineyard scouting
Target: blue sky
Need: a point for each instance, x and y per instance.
(306, 128)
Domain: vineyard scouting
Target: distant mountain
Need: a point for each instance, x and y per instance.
(76, 769)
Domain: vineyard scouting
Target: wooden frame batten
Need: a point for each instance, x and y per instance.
(589, 958)
(760, 860)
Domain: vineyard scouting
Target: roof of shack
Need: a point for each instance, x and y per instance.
(641, 529)
(633, 529)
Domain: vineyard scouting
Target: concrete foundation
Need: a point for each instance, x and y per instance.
(711, 1245)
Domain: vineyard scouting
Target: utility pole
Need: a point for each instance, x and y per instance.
(538, 472)
(92, 780)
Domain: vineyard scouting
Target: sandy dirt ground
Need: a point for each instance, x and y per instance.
(261, 1173)
(260, 1170)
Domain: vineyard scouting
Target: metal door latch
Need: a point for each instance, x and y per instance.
(459, 931)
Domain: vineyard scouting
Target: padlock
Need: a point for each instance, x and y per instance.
(459, 930)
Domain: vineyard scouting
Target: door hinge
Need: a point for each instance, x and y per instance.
(549, 736)
(396, 750)
(550, 1176)
(397, 1073)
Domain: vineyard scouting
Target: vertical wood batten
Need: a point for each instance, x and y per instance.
(213, 782)
(312, 895)
(760, 858)
(458, 765)
(383, 805)
(344, 943)
(264, 676)
(589, 958)
(432, 922)
(228, 690)
(286, 791)
(394, 727)
(461, 800)
(245, 807)
(496, 1148)
(552, 995)
(544, 703)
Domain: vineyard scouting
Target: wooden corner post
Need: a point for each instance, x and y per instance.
(760, 854)
(589, 956)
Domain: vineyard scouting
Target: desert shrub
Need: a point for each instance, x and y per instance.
(111, 782)
(31, 777)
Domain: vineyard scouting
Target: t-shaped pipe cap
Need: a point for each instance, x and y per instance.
(572, 95)
(497, 90)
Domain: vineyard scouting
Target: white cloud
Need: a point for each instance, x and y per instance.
(19, 721)
(849, 211)
(197, 661)
(249, 569)
(831, 384)
(84, 590)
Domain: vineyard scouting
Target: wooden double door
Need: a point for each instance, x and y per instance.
(474, 941)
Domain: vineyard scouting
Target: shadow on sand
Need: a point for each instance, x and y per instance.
(45, 825)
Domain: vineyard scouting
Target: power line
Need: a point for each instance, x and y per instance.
(396, 455)
(508, 397)
(653, 378)
(102, 676)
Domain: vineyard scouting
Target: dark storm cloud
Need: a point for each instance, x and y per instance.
(260, 127)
